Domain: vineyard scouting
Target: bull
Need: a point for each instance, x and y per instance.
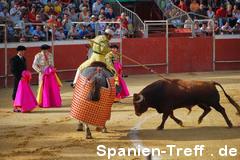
(167, 95)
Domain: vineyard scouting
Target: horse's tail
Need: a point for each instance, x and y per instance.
(229, 98)
(94, 94)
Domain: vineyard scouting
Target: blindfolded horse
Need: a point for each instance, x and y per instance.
(98, 75)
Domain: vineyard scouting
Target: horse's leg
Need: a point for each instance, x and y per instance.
(80, 126)
(87, 131)
(104, 129)
(101, 129)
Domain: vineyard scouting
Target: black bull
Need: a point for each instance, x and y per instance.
(167, 95)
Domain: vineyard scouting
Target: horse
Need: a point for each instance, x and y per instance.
(98, 73)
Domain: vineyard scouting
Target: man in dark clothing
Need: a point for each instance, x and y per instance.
(18, 65)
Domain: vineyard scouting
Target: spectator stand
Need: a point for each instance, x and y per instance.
(34, 32)
(38, 32)
(135, 26)
(225, 16)
(203, 27)
(171, 11)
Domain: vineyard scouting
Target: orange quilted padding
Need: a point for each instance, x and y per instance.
(92, 112)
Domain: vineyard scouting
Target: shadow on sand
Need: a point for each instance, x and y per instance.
(188, 134)
(47, 110)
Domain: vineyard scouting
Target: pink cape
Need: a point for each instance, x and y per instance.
(25, 98)
(50, 89)
(124, 89)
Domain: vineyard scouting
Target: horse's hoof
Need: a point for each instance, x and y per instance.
(89, 137)
(104, 130)
(72, 85)
(80, 127)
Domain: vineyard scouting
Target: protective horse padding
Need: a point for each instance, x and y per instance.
(92, 112)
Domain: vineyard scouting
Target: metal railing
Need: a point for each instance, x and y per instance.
(176, 16)
(209, 32)
(49, 32)
(115, 26)
(212, 32)
(170, 10)
(137, 22)
(159, 23)
(165, 23)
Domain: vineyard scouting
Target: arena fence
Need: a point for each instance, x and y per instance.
(218, 55)
(3, 73)
(211, 31)
(220, 39)
(162, 26)
(207, 32)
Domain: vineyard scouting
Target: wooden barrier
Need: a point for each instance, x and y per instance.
(145, 51)
(227, 50)
(190, 54)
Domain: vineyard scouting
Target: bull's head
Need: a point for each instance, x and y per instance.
(139, 104)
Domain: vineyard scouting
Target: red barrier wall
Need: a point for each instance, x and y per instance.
(227, 50)
(145, 51)
(190, 54)
(185, 55)
(66, 57)
(2, 67)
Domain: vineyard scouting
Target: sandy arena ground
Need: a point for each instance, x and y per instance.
(50, 134)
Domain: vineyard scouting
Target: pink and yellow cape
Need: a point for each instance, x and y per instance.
(49, 89)
(124, 89)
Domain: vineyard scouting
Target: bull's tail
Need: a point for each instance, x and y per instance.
(229, 98)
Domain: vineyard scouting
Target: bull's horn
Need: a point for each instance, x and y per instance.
(140, 99)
